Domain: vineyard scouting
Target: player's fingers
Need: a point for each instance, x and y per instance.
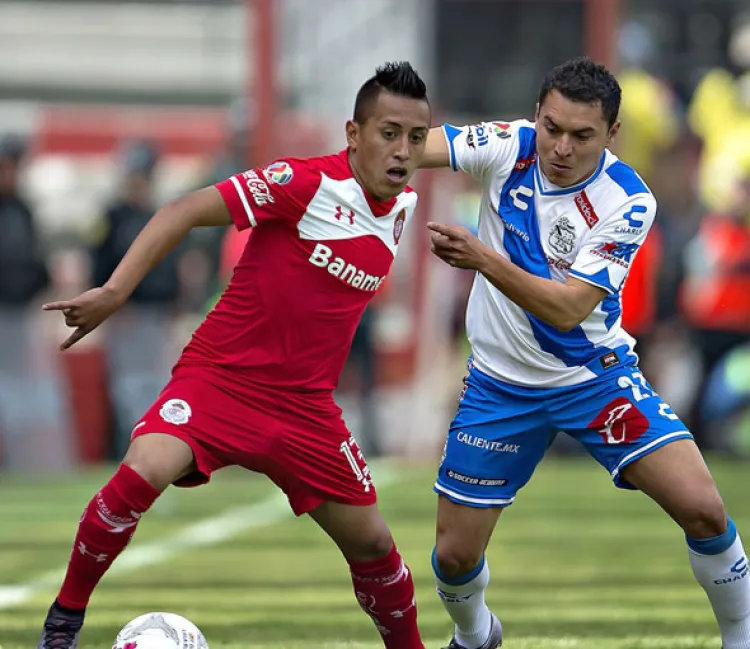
(74, 338)
(58, 306)
(445, 230)
(438, 252)
(443, 255)
(441, 241)
(437, 239)
(74, 320)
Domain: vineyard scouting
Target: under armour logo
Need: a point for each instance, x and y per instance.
(99, 558)
(339, 214)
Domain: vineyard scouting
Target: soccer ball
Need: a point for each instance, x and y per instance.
(160, 631)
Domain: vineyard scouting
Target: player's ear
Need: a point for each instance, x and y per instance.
(352, 134)
(536, 113)
(613, 131)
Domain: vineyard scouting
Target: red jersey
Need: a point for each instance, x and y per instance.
(320, 249)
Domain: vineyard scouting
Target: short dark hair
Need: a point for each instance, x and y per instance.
(583, 80)
(398, 78)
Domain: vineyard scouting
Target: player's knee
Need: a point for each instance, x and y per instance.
(455, 559)
(706, 518)
(373, 546)
(149, 470)
(159, 459)
(379, 544)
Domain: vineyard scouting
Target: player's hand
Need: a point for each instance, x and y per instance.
(85, 312)
(456, 246)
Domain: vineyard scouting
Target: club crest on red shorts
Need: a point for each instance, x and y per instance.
(176, 411)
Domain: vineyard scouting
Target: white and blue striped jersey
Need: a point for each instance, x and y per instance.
(590, 231)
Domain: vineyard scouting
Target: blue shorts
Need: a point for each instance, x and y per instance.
(502, 431)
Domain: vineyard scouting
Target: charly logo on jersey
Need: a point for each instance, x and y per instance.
(518, 196)
(176, 411)
(398, 226)
(635, 225)
(737, 572)
(562, 236)
(279, 173)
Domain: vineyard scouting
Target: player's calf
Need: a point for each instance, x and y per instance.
(676, 477)
(382, 582)
(385, 591)
(106, 527)
(720, 566)
(462, 573)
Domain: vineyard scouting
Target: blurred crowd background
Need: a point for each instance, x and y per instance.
(110, 108)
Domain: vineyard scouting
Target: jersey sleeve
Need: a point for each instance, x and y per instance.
(605, 257)
(281, 191)
(478, 149)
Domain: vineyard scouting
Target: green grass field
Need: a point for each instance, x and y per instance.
(575, 563)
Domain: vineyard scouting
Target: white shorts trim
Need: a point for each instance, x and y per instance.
(682, 434)
(473, 501)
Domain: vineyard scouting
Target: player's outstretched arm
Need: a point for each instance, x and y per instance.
(564, 306)
(436, 153)
(158, 238)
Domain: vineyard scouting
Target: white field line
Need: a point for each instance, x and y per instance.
(206, 532)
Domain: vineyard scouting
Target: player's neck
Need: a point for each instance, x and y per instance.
(550, 186)
(585, 176)
(359, 179)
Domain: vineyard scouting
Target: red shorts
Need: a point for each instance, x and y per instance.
(299, 442)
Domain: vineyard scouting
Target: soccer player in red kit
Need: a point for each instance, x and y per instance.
(254, 386)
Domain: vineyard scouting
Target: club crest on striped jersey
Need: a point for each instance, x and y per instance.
(562, 236)
(398, 226)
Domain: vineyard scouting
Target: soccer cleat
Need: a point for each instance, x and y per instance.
(493, 642)
(61, 628)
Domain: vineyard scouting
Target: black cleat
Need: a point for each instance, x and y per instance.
(493, 642)
(61, 628)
